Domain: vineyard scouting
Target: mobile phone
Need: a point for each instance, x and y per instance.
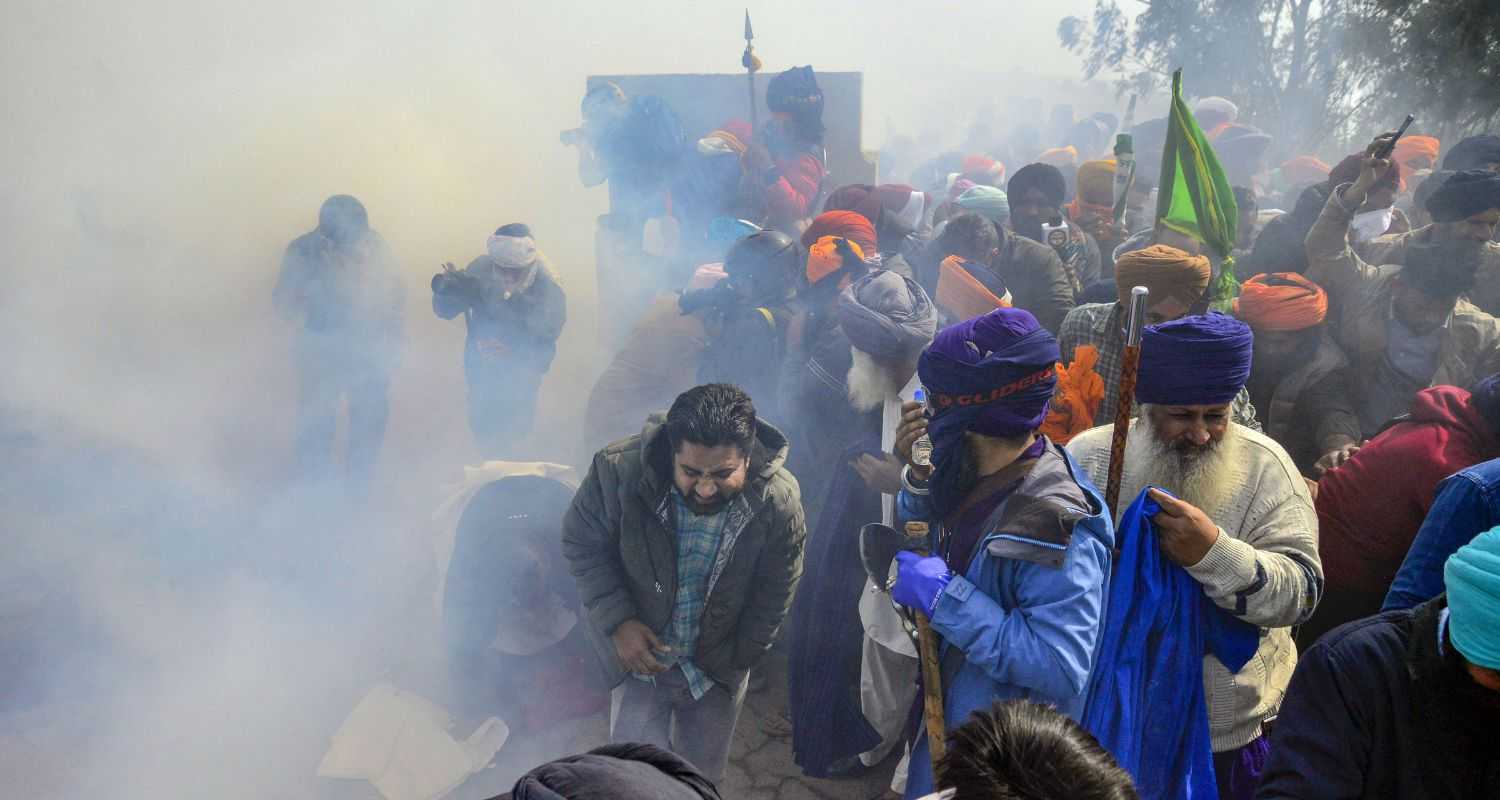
(1385, 152)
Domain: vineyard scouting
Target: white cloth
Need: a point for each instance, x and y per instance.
(399, 742)
(1219, 105)
(887, 690)
(910, 215)
(512, 252)
(876, 614)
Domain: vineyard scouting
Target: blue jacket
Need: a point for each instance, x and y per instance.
(1022, 619)
(1467, 504)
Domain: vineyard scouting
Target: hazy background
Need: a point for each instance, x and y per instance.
(180, 618)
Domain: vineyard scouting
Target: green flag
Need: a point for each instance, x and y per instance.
(1195, 198)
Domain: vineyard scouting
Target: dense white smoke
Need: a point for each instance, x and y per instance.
(177, 615)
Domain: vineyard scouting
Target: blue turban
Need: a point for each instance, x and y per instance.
(993, 375)
(1194, 361)
(1472, 577)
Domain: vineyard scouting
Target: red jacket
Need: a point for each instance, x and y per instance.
(1369, 509)
(791, 197)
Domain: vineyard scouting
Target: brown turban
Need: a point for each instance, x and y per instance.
(1166, 271)
(1281, 301)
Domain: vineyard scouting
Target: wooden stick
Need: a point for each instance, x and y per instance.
(1130, 365)
(932, 674)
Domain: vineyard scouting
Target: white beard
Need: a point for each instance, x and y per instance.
(1205, 479)
(869, 383)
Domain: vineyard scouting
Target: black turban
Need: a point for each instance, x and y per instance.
(1467, 193)
(1475, 152)
(1044, 177)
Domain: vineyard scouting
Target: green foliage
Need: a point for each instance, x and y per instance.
(1308, 71)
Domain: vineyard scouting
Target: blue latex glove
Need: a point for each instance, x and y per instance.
(920, 581)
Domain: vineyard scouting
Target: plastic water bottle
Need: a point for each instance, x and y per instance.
(921, 449)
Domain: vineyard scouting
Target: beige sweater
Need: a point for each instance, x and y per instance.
(1263, 568)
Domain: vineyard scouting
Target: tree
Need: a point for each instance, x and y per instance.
(1439, 59)
(1312, 73)
(1282, 61)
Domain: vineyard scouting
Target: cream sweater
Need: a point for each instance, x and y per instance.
(1263, 568)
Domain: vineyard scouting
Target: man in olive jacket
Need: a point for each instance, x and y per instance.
(686, 542)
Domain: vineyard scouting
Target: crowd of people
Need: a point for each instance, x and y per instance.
(1296, 594)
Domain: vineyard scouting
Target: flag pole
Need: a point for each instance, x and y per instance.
(751, 63)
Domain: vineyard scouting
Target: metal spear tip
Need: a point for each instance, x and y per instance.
(749, 31)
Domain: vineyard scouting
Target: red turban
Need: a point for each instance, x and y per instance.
(1281, 301)
(895, 201)
(982, 169)
(850, 225)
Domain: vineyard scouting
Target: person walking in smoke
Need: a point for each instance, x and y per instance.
(341, 284)
(515, 311)
(686, 544)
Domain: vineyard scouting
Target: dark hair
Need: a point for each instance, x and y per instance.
(513, 229)
(1244, 198)
(970, 236)
(1025, 751)
(712, 415)
(1442, 270)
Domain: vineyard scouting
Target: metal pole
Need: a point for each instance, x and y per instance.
(1125, 402)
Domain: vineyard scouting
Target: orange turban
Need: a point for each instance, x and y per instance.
(1304, 171)
(1166, 271)
(1096, 190)
(1414, 147)
(1281, 301)
(847, 224)
(963, 295)
(824, 259)
(1059, 156)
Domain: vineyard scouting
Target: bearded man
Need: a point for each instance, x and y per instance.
(1239, 518)
(884, 321)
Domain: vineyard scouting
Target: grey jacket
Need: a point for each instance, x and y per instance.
(620, 542)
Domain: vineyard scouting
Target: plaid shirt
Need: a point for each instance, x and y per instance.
(698, 540)
(1103, 326)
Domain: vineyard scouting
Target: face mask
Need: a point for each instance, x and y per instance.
(1369, 224)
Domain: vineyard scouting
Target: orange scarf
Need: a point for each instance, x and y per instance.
(1076, 399)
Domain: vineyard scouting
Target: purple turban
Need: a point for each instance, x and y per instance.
(993, 375)
(887, 315)
(1194, 361)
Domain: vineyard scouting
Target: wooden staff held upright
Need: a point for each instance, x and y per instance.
(932, 673)
(1130, 365)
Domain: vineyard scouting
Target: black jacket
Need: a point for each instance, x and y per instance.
(615, 772)
(1382, 708)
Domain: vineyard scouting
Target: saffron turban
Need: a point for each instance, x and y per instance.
(967, 290)
(831, 255)
(1415, 147)
(1304, 171)
(1166, 271)
(1059, 156)
(1281, 301)
(850, 225)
